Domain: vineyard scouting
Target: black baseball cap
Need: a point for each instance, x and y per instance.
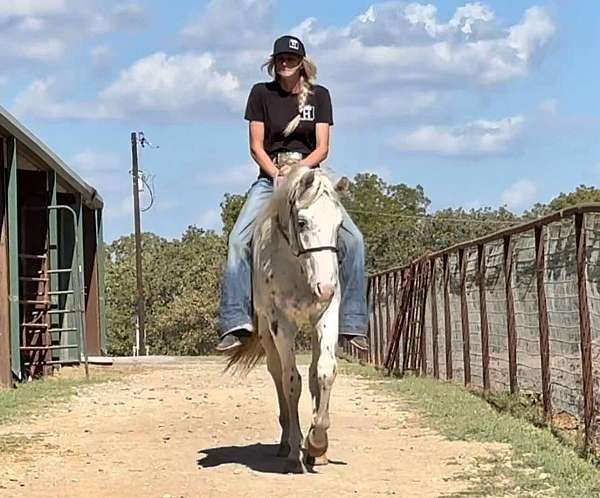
(289, 45)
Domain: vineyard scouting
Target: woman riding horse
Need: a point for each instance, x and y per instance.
(289, 120)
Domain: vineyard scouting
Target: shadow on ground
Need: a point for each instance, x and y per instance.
(258, 457)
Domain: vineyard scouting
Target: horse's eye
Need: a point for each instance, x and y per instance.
(302, 224)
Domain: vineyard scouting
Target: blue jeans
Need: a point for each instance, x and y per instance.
(236, 300)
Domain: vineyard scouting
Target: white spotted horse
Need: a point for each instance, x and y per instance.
(295, 285)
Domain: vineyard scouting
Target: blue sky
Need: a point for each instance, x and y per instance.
(483, 103)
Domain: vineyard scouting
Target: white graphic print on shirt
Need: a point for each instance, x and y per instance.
(308, 113)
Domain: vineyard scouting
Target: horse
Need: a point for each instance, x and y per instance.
(295, 284)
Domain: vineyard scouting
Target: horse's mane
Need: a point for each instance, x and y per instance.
(294, 191)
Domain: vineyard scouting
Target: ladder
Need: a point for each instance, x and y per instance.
(45, 329)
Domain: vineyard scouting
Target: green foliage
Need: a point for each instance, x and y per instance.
(536, 463)
(230, 209)
(181, 283)
(182, 277)
(582, 194)
(394, 222)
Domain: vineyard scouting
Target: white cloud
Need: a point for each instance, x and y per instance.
(183, 87)
(396, 63)
(231, 23)
(42, 32)
(532, 34)
(477, 138)
(176, 88)
(26, 8)
(43, 99)
(520, 195)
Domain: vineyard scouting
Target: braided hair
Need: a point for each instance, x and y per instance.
(308, 73)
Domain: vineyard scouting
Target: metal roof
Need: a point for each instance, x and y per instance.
(90, 196)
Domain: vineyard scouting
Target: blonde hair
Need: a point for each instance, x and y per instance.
(308, 74)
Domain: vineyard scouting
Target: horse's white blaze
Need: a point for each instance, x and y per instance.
(321, 231)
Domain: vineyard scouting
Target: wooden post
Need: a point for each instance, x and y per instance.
(388, 314)
(434, 322)
(540, 265)
(141, 300)
(585, 329)
(381, 332)
(464, 316)
(483, 317)
(411, 361)
(410, 289)
(422, 334)
(510, 314)
(447, 318)
(376, 321)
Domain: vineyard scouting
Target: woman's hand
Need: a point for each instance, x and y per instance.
(285, 169)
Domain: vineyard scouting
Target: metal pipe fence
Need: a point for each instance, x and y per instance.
(517, 310)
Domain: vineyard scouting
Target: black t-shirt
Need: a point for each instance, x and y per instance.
(273, 106)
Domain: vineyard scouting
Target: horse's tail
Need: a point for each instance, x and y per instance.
(247, 356)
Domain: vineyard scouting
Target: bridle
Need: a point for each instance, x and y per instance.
(296, 246)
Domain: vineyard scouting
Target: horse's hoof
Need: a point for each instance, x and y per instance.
(284, 450)
(317, 442)
(294, 467)
(317, 461)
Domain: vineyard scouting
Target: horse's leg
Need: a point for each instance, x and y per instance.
(313, 384)
(274, 366)
(327, 330)
(283, 337)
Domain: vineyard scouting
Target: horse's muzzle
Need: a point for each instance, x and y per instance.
(324, 291)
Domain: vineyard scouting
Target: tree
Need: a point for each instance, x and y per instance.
(230, 210)
(582, 194)
(386, 215)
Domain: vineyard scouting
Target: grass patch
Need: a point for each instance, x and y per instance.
(37, 396)
(540, 464)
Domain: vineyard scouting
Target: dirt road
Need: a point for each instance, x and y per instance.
(187, 430)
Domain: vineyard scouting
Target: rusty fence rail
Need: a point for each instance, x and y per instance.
(517, 310)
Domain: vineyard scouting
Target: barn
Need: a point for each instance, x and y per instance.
(51, 266)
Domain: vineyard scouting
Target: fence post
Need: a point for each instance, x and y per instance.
(422, 334)
(371, 315)
(540, 267)
(434, 323)
(584, 328)
(510, 314)
(375, 297)
(464, 316)
(483, 317)
(382, 321)
(414, 318)
(388, 315)
(447, 318)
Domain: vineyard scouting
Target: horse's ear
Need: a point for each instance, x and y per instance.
(343, 185)
(307, 180)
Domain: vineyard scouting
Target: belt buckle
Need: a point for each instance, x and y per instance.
(288, 158)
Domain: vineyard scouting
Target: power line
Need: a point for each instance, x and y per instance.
(433, 217)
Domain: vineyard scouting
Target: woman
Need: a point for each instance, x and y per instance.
(289, 121)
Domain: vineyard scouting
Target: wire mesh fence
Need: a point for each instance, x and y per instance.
(518, 311)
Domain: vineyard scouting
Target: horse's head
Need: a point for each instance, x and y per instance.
(309, 218)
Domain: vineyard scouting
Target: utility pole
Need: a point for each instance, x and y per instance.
(141, 302)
